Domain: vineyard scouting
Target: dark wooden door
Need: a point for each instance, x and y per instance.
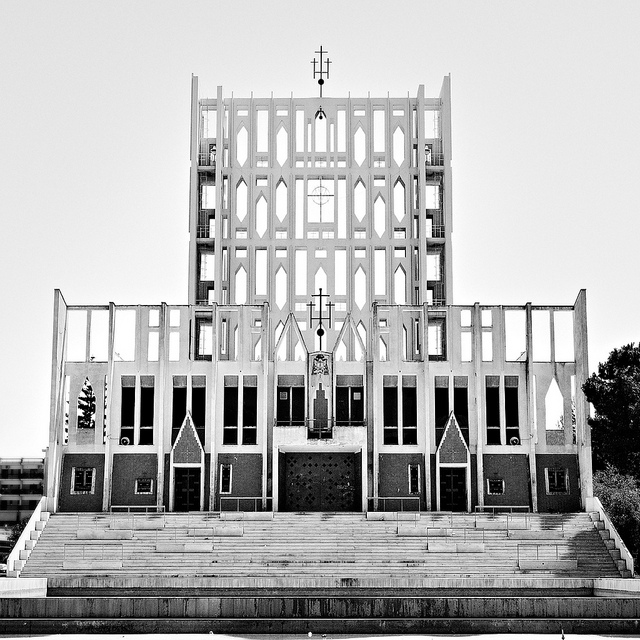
(187, 489)
(453, 489)
(321, 482)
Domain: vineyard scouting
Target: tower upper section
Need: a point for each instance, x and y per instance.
(290, 195)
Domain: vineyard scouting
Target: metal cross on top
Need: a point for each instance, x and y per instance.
(321, 71)
(320, 317)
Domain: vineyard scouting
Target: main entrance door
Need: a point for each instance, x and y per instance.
(187, 489)
(453, 489)
(320, 482)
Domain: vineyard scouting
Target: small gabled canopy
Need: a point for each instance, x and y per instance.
(453, 448)
(187, 448)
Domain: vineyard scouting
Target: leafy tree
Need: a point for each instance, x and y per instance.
(86, 406)
(614, 391)
(620, 497)
(16, 531)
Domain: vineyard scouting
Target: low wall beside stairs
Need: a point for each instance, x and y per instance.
(330, 614)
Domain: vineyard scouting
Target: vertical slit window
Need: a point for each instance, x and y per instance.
(492, 402)
(230, 410)
(127, 410)
(390, 412)
(409, 410)
(441, 405)
(461, 404)
(414, 479)
(511, 409)
(199, 405)
(250, 410)
(225, 478)
(179, 405)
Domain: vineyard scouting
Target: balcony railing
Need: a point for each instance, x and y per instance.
(437, 231)
(207, 160)
(434, 159)
(246, 503)
(393, 503)
(205, 231)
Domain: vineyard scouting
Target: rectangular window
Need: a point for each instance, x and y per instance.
(262, 126)
(230, 410)
(83, 480)
(511, 409)
(199, 405)
(409, 410)
(207, 266)
(436, 338)
(204, 332)
(146, 409)
(492, 398)
(441, 405)
(390, 411)
(179, 406)
(557, 481)
(290, 400)
(433, 266)
(495, 486)
(250, 410)
(261, 272)
(127, 410)
(144, 486)
(349, 406)
(225, 478)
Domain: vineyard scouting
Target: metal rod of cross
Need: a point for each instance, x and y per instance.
(320, 317)
(318, 68)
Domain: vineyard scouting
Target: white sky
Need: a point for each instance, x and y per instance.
(94, 148)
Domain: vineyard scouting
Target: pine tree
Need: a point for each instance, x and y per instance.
(86, 406)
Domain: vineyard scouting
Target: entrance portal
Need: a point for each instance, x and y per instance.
(453, 489)
(187, 489)
(320, 482)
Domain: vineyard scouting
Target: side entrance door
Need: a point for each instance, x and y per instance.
(453, 489)
(187, 489)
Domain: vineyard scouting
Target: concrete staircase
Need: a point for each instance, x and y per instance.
(429, 573)
(291, 549)
(27, 543)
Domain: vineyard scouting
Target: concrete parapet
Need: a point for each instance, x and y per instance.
(491, 525)
(258, 515)
(201, 533)
(629, 587)
(91, 565)
(412, 531)
(104, 534)
(232, 515)
(228, 531)
(544, 534)
(23, 588)
(460, 547)
(184, 547)
(407, 515)
(146, 525)
(548, 565)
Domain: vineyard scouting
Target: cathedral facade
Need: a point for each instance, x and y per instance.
(319, 364)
